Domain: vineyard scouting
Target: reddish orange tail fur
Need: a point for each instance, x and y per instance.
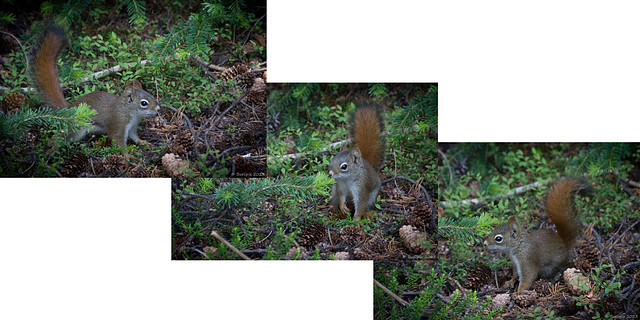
(367, 134)
(44, 69)
(560, 207)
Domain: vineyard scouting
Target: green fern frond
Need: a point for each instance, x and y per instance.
(249, 193)
(378, 91)
(68, 119)
(136, 12)
(171, 42)
(468, 229)
(71, 11)
(193, 37)
(7, 18)
(199, 34)
(423, 108)
(304, 91)
(47, 7)
(601, 157)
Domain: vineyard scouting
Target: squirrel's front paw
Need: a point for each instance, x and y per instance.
(508, 284)
(344, 208)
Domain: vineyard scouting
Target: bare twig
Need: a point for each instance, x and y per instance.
(249, 33)
(393, 295)
(210, 65)
(455, 282)
(517, 190)
(226, 243)
(98, 74)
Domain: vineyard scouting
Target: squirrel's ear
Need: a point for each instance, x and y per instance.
(134, 84)
(129, 94)
(515, 227)
(512, 219)
(355, 154)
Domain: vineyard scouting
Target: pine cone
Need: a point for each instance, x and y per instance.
(351, 234)
(258, 95)
(420, 217)
(588, 259)
(312, 234)
(12, 101)
(240, 73)
(377, 249)
(173, 166)
(182, 143)
(114, 164)
(478, 277)
(140, 172)
(245, 80)
(413, 239)
(542, 287)
(74, 165)
(526, 298)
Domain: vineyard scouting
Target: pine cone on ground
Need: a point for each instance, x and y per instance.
(588, 259)
(312, 234)
(351, 235)
(12, 101)
(114, 164)
(526, 298)
(74, 165)
(182, 143)
(378, 249)
(542, 287)
(141, 172)
(420, 217)
(240, 73)
(174, 166)
(478, 277)
(257, 97)
(413, 239)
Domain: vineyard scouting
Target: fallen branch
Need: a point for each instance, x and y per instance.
(210, 65)
(393, 295)
(298, 155)
(511, 192)
(226, 243)
(96, 75)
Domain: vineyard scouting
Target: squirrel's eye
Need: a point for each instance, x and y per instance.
(144, 103)
(343, 167)
(498, 238)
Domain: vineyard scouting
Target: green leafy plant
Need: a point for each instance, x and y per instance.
(195, 35)
(468, 229)
(599, 158)
(62, 120)
(71, 11)
(240, 193)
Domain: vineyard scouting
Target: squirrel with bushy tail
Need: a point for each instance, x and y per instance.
(542, 253)
(117, 116)
(355, 170)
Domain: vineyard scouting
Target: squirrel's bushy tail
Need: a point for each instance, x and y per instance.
(44, 68)
(366, 130)
(561, 209)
